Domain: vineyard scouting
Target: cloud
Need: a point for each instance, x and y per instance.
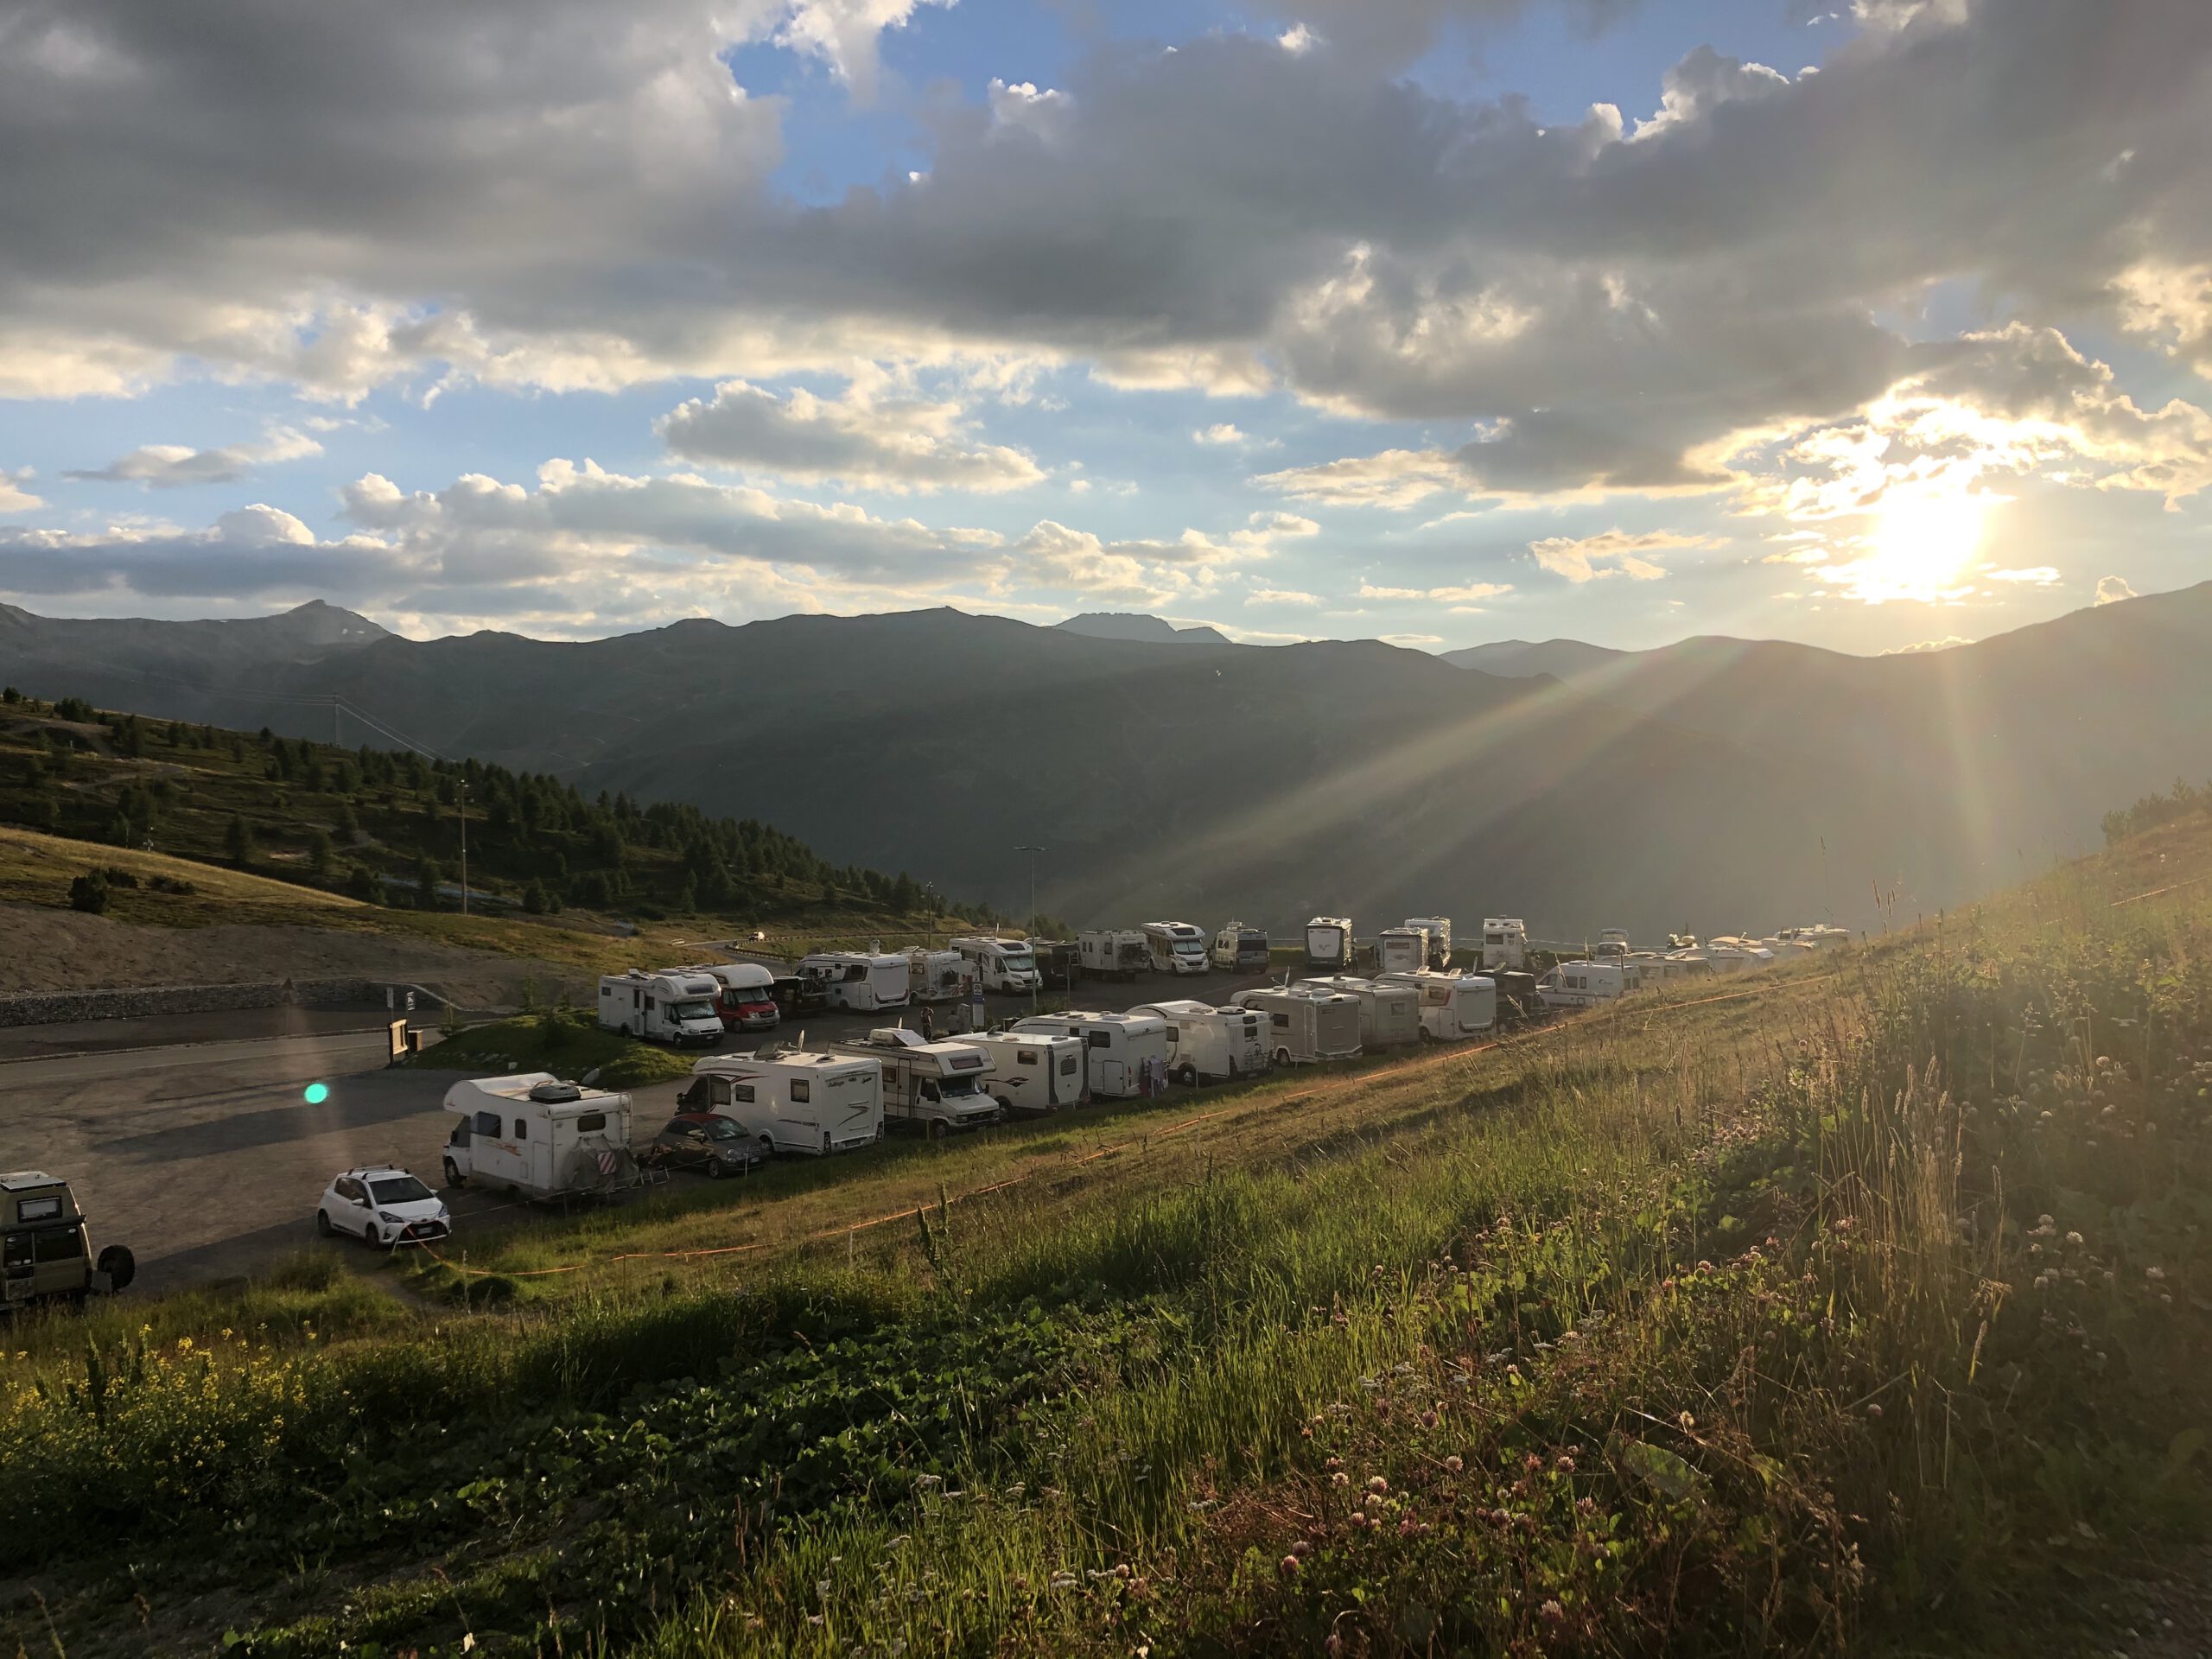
(843, 34)
(2111, 589)
(1282, 596)
(2041, 575)
(1411, 640)
(13, 498)
(873, 437)
(1395, 478)
(173, 466)
(1611, 553)
(1223, 434)
(1944, 643)
(1465, 594)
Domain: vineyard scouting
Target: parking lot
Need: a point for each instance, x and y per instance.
(200, 1150)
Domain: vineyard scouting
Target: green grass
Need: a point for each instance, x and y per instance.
(1700, 1325)
(564, 1042)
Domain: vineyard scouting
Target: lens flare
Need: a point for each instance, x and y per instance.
(316, 1093)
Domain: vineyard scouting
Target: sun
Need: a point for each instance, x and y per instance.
(1924, 537)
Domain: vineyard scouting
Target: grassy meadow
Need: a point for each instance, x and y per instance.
(1866, 1305)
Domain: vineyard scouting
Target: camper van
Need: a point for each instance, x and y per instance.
(1114, 1047)
(792, 1100)
(1305, 1023)
(1239, 949)
(1211, 1045)
(48, 1247)
(1439, 929)
(864, 982)
(936, 975)
(1032, 1073)
(1175, 948)
(1732, 954)
(1389, 1014)
(1001, 964)
(1328, 943)
(744, 999)
(933, 1087)
(1611, 942)
(1454, 1007)
(536, 1137)
(1114, 953)
(1505, 943)
(678, 1006)
(1585, 984)
(1401, 951)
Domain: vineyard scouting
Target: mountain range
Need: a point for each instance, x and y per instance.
(1714, 785)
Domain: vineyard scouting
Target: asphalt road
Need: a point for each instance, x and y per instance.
(206, 1159)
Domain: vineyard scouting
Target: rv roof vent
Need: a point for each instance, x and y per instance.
(552, 1093)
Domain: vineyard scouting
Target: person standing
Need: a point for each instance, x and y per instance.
(929, 1027)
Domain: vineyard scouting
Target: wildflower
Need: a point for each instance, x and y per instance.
(1687, 1423)
(1377, 1485)
(1875, 1412)
(1289, 1566)
(1453, 1463)
(1552, 1613)
(1428, 1420)
(1565, 1465)
(1301, 1549)
(2154, 1273)
(2074, 1238)
(1334, 1463)
(1340, 1478)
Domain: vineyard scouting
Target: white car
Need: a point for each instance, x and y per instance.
(385, 1206)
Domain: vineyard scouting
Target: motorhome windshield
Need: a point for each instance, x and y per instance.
(1017, 962)
(398, 1189)
(960, 1087)
(691, 1010)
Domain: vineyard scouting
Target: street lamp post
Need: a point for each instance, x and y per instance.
(464, 847)
(1036, 973)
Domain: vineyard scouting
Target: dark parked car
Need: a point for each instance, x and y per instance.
(1058, 965)
(706, 1141)
(795, 996)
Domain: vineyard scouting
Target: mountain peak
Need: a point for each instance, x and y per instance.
(1135, 625)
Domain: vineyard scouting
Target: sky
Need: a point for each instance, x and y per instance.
(1876, 324)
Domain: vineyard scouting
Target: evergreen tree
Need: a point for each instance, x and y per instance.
(238, 841)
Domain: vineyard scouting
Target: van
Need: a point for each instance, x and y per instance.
(865, 982)
(677, 1005)
(1390, 1015)
(1305, 1023)
(1585, 984)
(1175, 948)
(536, 1137)
(1114, 1047)
(45, 1244)
(1240, 949)
(933, 1087)
(1328, 943)
(1454, 1007)
(1002, 965)
(792, 1099)
(1114, 953)
(1032, 1073)
(746, 1000)
(937, 975)
(1211, 1045)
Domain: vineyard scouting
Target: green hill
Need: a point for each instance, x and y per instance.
(1865, 1305)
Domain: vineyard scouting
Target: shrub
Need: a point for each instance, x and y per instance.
(88, 892)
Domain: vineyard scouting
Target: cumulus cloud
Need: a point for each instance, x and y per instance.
(1467, 594)
(172, 466)
(14, 496)
(873, 437)
(2040, 575)
(2111, 589)
(1395, 478)
(1610, 553)
(1282, 596)
(1921, 646)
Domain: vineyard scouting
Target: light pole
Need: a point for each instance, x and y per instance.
(1033, 852)
(464, 847)
(1036, 973)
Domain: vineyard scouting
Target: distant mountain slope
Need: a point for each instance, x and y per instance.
(1715, 784)
(1152, 629)
(1562, 659)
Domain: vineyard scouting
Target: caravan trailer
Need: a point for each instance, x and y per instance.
(1031, 1074)
(678, 1006)
(1174, 948)
(1505, 943)
(936, 975)
(1390, 1015)
(1305, 1023)
(1114, 953)
(1586, 984)
(1240, 949)
(1001, 964)
(933, 1087)
(1401, 951)
(865, 982)
(537, 1137)
(747, 999)
(1328, 943)
(1439, 929)
(1211, 1045)
(792, 1100)
(1454, 1007)
(1114, 1047)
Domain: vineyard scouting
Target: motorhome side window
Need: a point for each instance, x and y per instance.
(489, 1123)
(590, 1121)
(1025, 1055)
(1281, 1022)
(1098, 1039)
(522, 1129)
(742, 1093)
(801, 1090)
(1173, 1035)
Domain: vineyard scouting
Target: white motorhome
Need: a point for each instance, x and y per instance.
(1389, 1014)
(1786, 947)
(1585, 984)
(792, 1100)
(933, 1087)
(1732, 954)
(746, 994)
(1114, 953)
(1114, 1047)
(537, 1137)
(1401, 951)
(1328, 943)
(865, 982)
(1439, 929)
(1611, 942)
(1505, 943)
(1175, 948)
(1001, 964)
(678, 1006)
(1305, 1023)
(1211, 1045)
(1666, 969)
(936, 975)
(1240, 948)
(1032, 1073)
(1818, 936)
(1454, 1007)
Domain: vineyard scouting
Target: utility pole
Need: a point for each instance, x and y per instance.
(464, 847)
(1033, 852)
(1036, 973)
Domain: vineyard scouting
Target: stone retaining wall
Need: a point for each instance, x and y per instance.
(59, 1008)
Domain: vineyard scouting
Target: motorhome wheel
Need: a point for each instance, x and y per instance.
(767, 1148)
(936, 1128)
(1282, 1056)
(453, 1173)
(1187, 1076)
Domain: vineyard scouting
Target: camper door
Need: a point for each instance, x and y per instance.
(1109, 1066)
